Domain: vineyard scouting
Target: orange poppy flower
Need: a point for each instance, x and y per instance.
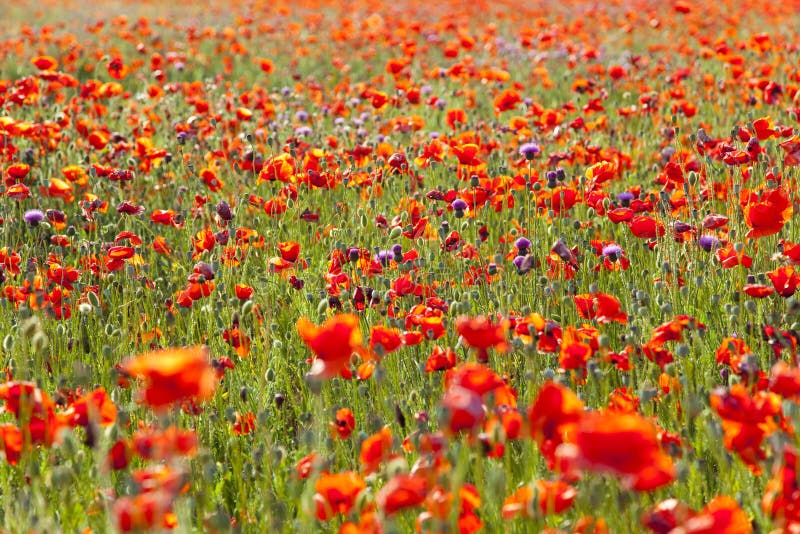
(238, 340)
(604, 308)
(475, 377)
(157, 444)
(117, 69)
(333, 344)
(467, 154)
(96, 407)
(368, 523)
(388, 339)
(266, 65)
(622, 400)
(376, 449)
(455, 116)
(173, 375)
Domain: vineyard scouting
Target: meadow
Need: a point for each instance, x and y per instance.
(391, 266)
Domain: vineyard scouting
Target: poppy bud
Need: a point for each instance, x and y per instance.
(398, 413)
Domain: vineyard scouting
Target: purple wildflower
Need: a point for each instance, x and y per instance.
(33, 217)
(529, 151)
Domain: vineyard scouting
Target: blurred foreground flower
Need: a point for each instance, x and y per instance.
(173, 375)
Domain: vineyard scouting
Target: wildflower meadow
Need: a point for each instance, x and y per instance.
(378, 267)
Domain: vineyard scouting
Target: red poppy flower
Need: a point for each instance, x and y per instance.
(645, 227)
(574, 352)
(731, 352)
(624, 444)
(95, 407)
(401, 492)
(34, 409)
(781, 499)
(720, 516)
(440, 359)
(45, 63)
(768, 215)
(244, 423)
(553, 418)
(117, 69)
(337, 494)
(388, 339)
(482, 333)
(243, 291)
(344, 424)
(462, 409)
(746, 421)
(376, 449)
(785, 280)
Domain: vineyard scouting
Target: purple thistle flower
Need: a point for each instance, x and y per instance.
(383, 257)
(612, 250)
(33, 217)
(459, 204)
(625, 196)
(529, 151)
(522, 243)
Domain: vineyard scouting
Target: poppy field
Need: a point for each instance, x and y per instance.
(393, 266)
